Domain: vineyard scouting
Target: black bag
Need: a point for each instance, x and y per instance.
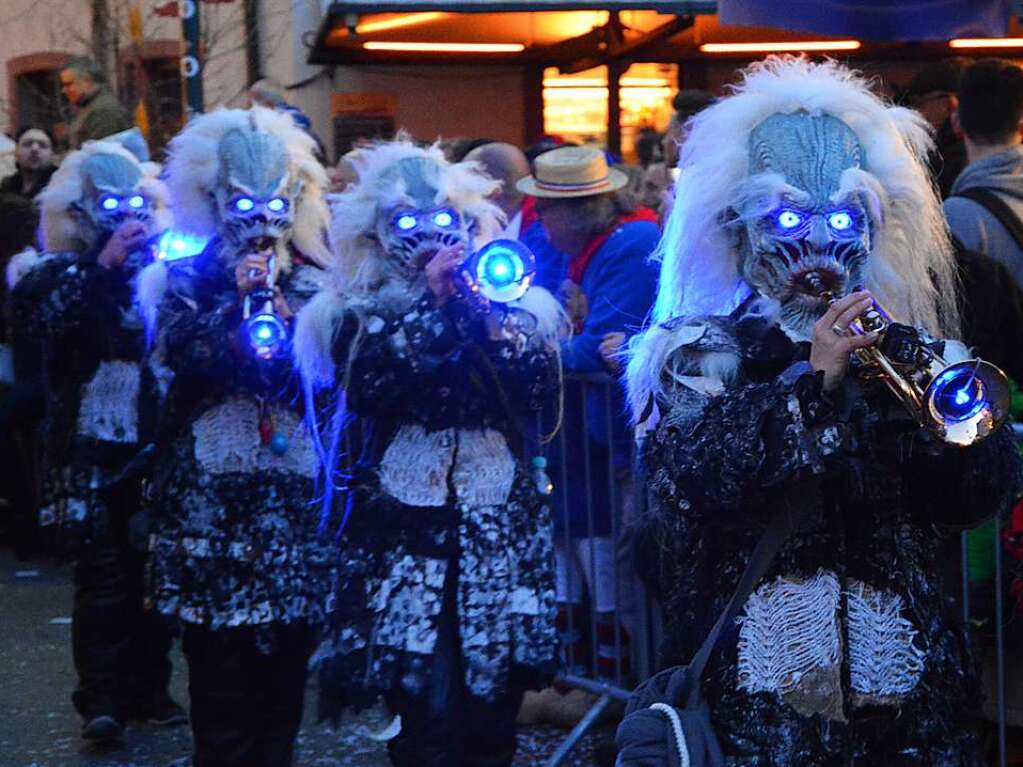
(667, 722)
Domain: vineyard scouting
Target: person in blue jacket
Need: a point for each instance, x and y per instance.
(597, 250)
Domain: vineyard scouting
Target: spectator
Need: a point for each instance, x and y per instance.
(609, 288)
(985, 208)
(34, 159)
(932, 92)
(507, 163)
(98, 113)
(989, 120)
(648, 146)
(21, 393)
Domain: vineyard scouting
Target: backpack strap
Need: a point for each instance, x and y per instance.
(997, 207)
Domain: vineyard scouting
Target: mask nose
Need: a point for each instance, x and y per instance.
(818, 236)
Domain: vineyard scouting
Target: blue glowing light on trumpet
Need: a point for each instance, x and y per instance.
(173, 245)
(503, 270)
(266, 333)
(959, 394)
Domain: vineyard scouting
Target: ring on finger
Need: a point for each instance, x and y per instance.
(838, 330)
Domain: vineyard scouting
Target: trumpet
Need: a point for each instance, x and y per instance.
(962, 402)
(264, 328)
(501, 271)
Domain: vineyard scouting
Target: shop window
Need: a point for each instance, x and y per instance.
(575, 106)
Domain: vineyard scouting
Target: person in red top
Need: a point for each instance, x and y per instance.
(608, 286)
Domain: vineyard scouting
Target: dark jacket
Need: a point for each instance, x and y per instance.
(99, 116)
(973, 225)
(234, 539)
(443, 503)
(852, 646)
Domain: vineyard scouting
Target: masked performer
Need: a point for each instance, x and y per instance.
(98, 215)
(445, 602)
(234, 551)
(850, 650)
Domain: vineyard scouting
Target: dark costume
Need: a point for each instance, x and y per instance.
(100, 409)
(234, 545)
(802, 187)
(880, 499)
(444, 603)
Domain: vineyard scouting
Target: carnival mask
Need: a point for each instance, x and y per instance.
(419, 225)
(112, 195)
(255, 198)
(800, 220)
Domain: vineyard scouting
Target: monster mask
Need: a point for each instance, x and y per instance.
(255, 197)
(422, 221)
(111, 186)
(800, 220)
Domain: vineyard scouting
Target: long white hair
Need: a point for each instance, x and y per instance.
(194, 164)
(911, 267)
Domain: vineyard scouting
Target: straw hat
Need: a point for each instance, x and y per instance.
(571, 171)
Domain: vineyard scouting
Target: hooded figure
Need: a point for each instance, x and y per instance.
(99, 214)
(445, 598)
(235, 553)
(850, 650)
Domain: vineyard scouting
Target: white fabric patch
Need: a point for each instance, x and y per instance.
(484, 468)
(883, 661)
(524, 601)
(790, 630)
(416, 464)
(414, 469)
(408, 601)
(227, 440)
(109, 409)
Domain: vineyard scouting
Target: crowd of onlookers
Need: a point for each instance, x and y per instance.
(593, 246)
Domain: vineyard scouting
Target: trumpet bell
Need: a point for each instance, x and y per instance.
(967, 401)
(501, 271)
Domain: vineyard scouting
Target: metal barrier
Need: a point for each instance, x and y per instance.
(591, 401)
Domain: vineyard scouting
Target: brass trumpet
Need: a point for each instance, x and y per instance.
(962, 403)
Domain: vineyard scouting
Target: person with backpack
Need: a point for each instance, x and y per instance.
(985, 208)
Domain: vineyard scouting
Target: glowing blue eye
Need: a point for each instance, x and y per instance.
(277, 204)
(406, 222)
(840, 220)
(110, 202)
(789, 219)
(443, 218)
(244, 204)
(136, 201)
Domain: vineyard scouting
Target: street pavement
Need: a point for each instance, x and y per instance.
(39, 727)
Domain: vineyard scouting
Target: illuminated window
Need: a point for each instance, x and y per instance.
(575, 106)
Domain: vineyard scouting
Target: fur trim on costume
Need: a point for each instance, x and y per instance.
(911, 268)
(59, 231)
(194, 165)
(150, 288)
(22, 263)
(317, 324)
(553, 324)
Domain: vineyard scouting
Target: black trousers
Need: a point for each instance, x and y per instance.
(445, 726)
(120, 649)
(246, 703)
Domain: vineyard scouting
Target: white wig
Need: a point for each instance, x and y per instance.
(59, 230)
(911, 266)
(193, 172)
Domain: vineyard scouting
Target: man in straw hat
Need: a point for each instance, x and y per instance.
(608, 289)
